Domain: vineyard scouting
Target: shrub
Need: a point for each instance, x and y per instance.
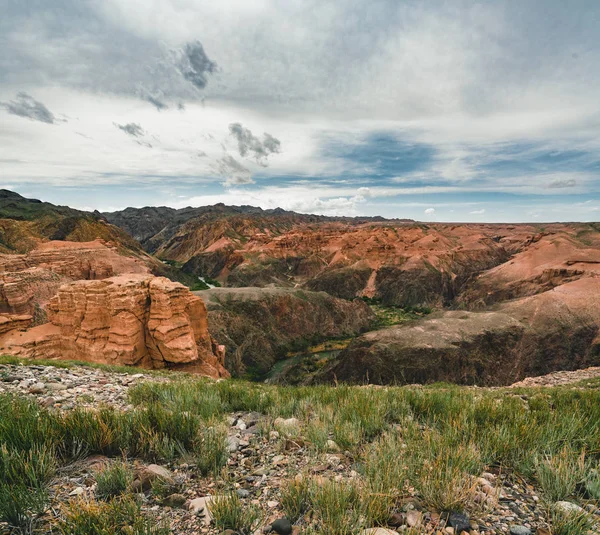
(560, 474)
(337, 506)
(295, 498)
(574, 523)
(20, 504)
(113, 480)
(119, 516)
(210, 451)
(228, 512)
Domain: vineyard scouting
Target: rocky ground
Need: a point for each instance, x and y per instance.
(261, 459)
(560, 378)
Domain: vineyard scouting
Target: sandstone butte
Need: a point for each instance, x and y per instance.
(131, 319)
(104, 307)
(28, 281)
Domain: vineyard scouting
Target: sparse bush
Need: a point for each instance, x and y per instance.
(120, 516)
(317, 434)
(385, 472)
(560, 474)
(592, 484)
(574, 523)
(295, 498)
(114, 480)
(229, 512)
(337, 506)
(20, 504)
(210, 452)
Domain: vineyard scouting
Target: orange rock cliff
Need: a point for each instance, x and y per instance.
(131, 319)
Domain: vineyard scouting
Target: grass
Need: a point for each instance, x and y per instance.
(427, 443)
(119, 516)
(114, 480)
(228, 512)
(574, 523)
(559, 474)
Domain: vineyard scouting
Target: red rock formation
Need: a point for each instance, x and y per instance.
(32, 279)
(136, 320)
(14, 322)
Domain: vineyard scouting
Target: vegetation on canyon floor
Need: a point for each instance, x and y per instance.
(429, 442)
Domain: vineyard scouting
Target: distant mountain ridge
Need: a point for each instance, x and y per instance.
(153, 226)
(25, 223)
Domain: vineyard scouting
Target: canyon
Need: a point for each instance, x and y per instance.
(401, 301)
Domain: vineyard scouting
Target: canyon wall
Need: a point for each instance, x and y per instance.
(259, 326)
(134, 320)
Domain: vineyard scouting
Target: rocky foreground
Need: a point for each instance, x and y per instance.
(263, 454)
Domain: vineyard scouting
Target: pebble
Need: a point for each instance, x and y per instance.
(459, 522)
(568, 507)
(282, 526)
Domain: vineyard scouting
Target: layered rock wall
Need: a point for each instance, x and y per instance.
(31, 279)
(136, 320)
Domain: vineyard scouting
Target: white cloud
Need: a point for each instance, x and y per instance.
(469, 80)
(478, 212)
(429, 211)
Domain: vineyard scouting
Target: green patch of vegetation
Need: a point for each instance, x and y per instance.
(388, 315)
(119, 516)
(574, 523)
(114, 480)
(228, 512)
(295, 498)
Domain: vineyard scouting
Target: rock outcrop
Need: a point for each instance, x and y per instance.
(135, 320)
(555, 330)
(29, 280)
(259, 326)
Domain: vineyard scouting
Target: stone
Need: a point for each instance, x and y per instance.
(281, 526)
(413, 518)
(568, 507)
(175, 500)
(332, 446)
(242, 493)
(56, 387)
(201, 507)
(378, 531)
(151, 473)
(519, 530)
(233, 444)
(286, 423)
(37, 388)
(459, 522)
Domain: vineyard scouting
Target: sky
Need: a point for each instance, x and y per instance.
(436, 111)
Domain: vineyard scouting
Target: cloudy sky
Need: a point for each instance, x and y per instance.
(438, 110)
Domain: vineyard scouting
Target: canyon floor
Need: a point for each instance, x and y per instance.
(113, 451)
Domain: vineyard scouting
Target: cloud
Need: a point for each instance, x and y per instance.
(567, 183)
(249, 143)
(478, 212)
(195, 66)
(234, 172)
(133, 129)
(25, 105)
(429, 211)
(157, 100)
